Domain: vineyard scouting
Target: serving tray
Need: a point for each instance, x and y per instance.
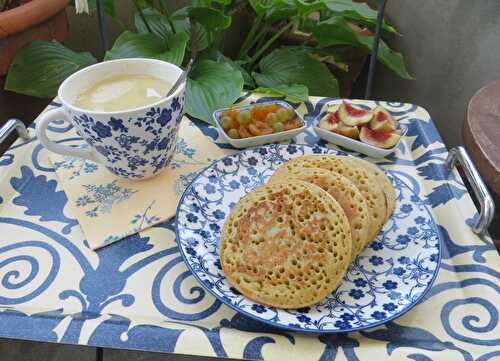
(139, 294)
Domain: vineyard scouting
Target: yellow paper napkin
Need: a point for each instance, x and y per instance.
(110, 208)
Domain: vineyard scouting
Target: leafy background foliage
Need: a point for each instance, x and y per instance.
(199, 29)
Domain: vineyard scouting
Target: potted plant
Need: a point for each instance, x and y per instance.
(22, 21)
(263, 62)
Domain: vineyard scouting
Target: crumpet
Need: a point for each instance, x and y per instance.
(286, 244)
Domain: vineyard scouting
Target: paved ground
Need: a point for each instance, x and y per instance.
(14, 350)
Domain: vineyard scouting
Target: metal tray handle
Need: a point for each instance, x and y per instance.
(480, 190)
(10, 126)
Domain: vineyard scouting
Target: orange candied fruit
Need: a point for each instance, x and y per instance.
(260, 119)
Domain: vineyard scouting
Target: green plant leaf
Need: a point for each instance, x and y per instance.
(210, 3)
(306, 7)
(291, 66)
(357, 12)
(41, 66)
(247, 78)
(180, 19)
(340, 56)
(216, 55)
(276, 10)
(211, 18)
(336, 30)
(133, 45)
(157, 22)
(294, 92)
(258, 6)
(211, 85)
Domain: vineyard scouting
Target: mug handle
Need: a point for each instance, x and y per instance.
(41, 131)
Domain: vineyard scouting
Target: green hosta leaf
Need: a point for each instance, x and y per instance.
(336, 30)
(259, 6)
(275, 10)
(357, 12)
(181, 23)
(211, 86)
(210, 3)
(338, 56)
(216, 55)
(177, 48)
(306, 7)
(157, 22)
(247, 78)
(133, 45)
(211, 18)
(202, 38)
(294, 92)
(292, 66)
(41, 66)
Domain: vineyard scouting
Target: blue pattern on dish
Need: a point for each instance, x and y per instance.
(382, 283)
(129, 155)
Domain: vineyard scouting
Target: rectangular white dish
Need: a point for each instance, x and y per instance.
(350, 143)
(259, 139)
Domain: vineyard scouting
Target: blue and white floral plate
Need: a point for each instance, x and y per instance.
(385, 281)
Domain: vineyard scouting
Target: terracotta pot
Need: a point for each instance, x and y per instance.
(31, 20)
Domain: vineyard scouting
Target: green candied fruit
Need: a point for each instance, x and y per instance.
(226, 122)
(278, 127)
(271, 118)
(282, 115)
(244, 117)
(290, 113)
(233, 133)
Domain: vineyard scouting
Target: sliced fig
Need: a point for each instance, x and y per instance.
(352, 115)
(382, 120)
(346, 130)
(332, 123)
(379, 139)
(329, 121)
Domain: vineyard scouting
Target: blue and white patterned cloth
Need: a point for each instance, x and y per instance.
(109, 208)
(138, 294)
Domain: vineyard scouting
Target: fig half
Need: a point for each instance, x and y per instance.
(379, 139)
(329, 121)
(382, 121)
(332, 123)
(352, 115)
(347, 130)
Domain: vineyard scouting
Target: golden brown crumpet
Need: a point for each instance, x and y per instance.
(365, 182)
(347, 195)
(382, 180)
(286, 244)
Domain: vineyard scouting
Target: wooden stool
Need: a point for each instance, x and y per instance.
(481, 135)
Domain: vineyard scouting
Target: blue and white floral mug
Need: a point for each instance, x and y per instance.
(135, 144)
